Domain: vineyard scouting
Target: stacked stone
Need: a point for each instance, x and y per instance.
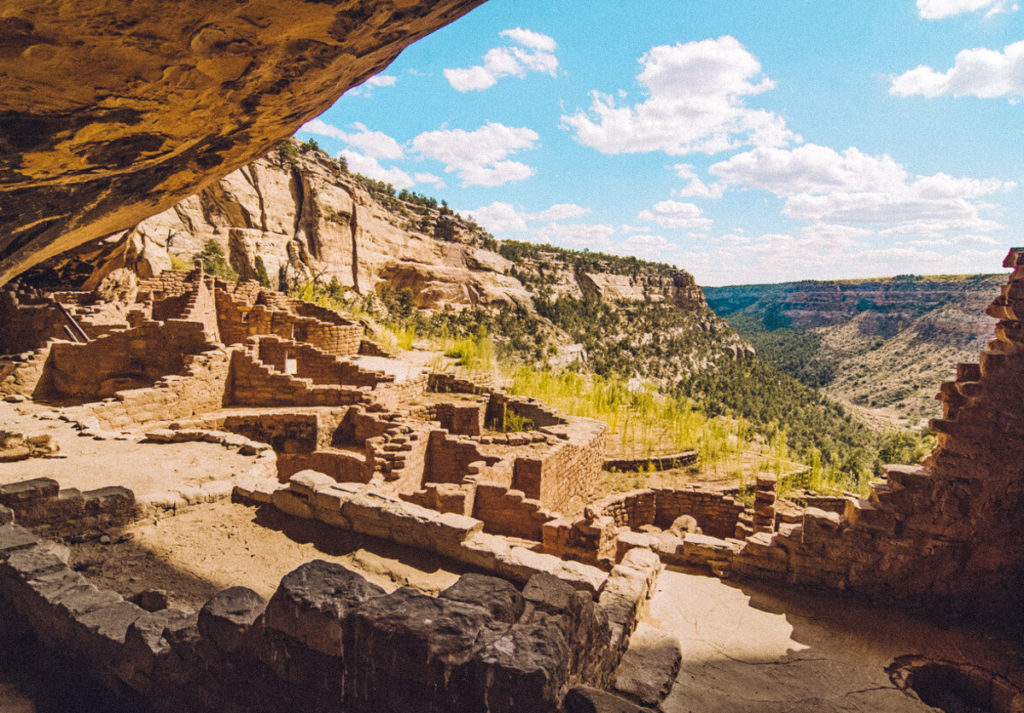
(764, 503)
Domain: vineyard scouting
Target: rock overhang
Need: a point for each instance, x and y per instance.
(114, 111)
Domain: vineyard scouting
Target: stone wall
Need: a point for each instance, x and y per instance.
(288, 319)
(450, 459)
(358, 508)
(202, 388)
(509, 512)
(67, 513)
(651, 463)
(593, 537)
(256, 384)
(27, 322)
(122, 360)
(22, 373)
(328, 641)
(564, 478)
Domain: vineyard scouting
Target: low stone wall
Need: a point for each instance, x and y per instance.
(255, 384)
(329, 641)
(313, 364)
(593, 538)
(564, 477)
(122, 360)
(509, 512)
(22, 373)
(201, 389)
(651, 463)
(450, 459)
(67, 513)
(316, 496)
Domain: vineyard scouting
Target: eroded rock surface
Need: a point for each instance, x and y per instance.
(114, 111)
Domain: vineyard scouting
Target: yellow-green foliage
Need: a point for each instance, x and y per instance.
(475, 351)
(640, 419)
(179, 263)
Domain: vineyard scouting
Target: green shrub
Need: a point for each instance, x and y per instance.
(261, 272)
(214, 261)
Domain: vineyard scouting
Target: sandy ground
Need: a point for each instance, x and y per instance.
(86, 463)
(211, 547)
(752, 649)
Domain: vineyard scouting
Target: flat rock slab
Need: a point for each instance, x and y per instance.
(649, 667)
(751, 649)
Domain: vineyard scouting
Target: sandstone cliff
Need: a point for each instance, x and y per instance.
(303, 217)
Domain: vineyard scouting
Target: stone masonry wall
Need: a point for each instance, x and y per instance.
(564, 479)
(27, 323)
(328, 641)
(255, 384)
(201, 389)
(120, 360)
(509, 512)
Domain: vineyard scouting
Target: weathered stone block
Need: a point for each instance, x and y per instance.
(28, 491)
(227, 617)
(415, 654)
(498, 596)
(311, 603)
(525, 669)
(306, 482)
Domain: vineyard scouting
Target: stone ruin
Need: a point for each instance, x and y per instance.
(356, 440)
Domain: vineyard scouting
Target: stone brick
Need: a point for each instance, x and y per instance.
(225, 620)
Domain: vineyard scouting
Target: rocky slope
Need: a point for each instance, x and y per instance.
(113, 110)
(302, 217)
(882, 346)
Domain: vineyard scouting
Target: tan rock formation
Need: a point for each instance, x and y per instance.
(114, 111)
(305, 219)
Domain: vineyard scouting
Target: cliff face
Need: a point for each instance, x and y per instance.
(305, 218)
(888, 305)
(114, 110)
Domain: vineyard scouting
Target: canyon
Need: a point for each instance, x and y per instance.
(218, 496)
(877, 346)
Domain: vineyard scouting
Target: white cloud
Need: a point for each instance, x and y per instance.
(981, 72)
(938, 9)
(322, 128)
(375, 144)
(696, 188)
(378, 80)
(479, 157)
(674, 214)
(535, 54)
(821, 185)
(561, 211)
(810, 169)
(593, 236)
(429, 179)
(369, 166)
(498, 217)
(502, 217)
(649, 247)
(694, 103)
(531, 39)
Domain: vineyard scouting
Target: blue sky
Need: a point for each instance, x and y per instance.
(745, 141)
